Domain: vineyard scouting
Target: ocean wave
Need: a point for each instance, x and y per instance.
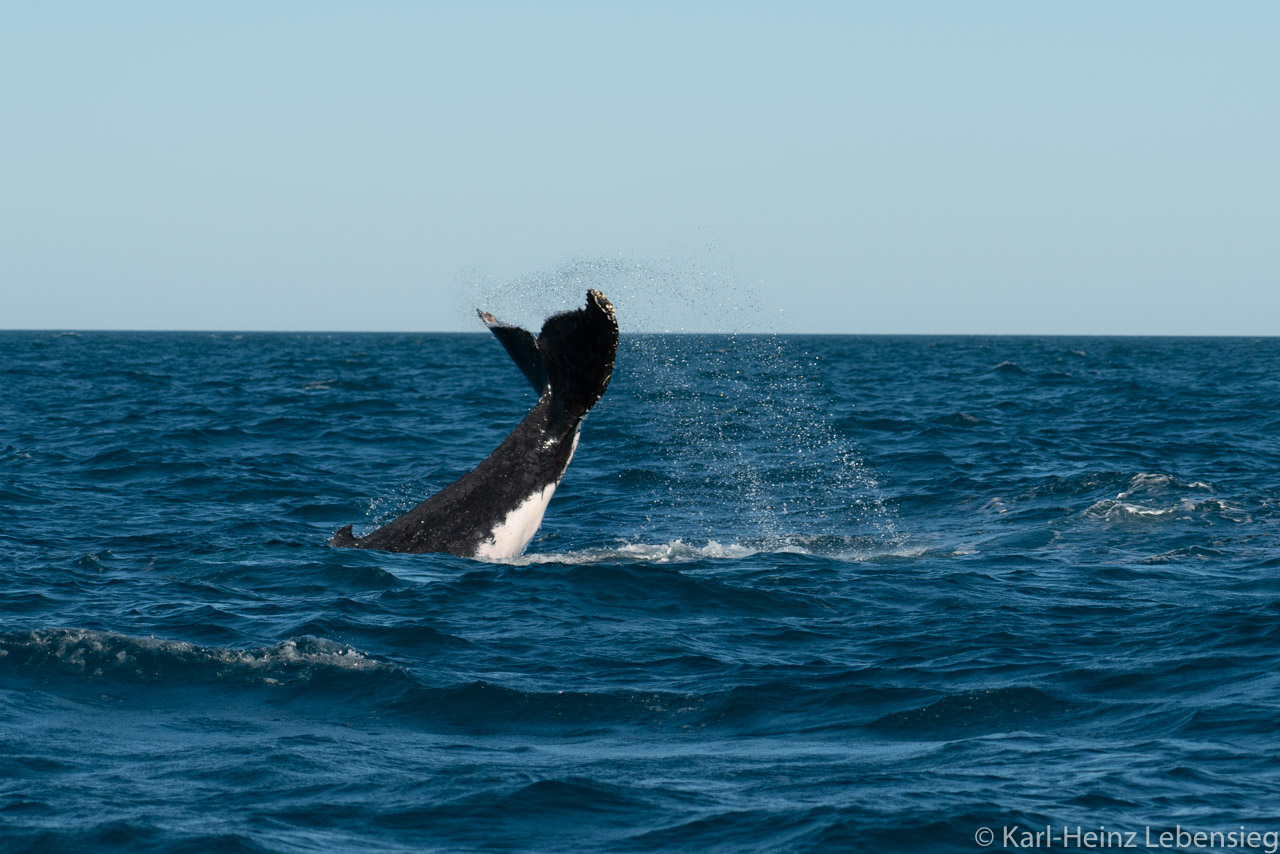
(1154, 496)
(675, 551)
(488, 706)
(959, 419)
(99, 654)
(833, 547)
(1115, 510)
(989, 710)
(1155, 483)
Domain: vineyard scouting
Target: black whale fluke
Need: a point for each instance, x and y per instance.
(495, 509)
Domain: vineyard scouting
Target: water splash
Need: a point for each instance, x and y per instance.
(699, 291)
(740, 437)
(844, 549)
(743, 427)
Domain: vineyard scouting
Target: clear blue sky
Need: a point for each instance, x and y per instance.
(914, 167)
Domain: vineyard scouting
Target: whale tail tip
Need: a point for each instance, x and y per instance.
(572, 356)
(579, 348)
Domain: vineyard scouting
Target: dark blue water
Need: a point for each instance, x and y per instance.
(795, 594)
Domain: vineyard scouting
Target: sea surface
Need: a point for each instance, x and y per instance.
(794, 594)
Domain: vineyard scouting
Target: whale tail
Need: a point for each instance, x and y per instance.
(572, 357)
(522, 347)
(493, 510)
(578, 349)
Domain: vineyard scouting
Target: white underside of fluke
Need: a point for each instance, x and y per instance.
(515, 531)
(519, 526)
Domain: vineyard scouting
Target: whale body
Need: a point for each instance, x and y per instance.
(494, 510)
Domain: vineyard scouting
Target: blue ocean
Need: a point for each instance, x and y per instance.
(795, 593)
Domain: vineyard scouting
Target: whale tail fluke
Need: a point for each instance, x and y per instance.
(522, 347)
(578, 349)
(572, 357)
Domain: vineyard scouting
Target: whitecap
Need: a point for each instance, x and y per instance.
(1117, 510)
(1156, 483)
(682, 551)
(99, 653)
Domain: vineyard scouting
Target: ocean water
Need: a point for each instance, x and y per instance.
(794, 594)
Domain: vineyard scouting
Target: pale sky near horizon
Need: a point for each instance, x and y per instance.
(915, 167)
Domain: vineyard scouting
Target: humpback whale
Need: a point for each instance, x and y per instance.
(496, 508)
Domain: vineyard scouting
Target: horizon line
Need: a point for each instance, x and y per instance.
(62, 331)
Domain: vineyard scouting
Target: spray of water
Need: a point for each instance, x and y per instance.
(740, 415)
(662, 295)
(747, 427)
